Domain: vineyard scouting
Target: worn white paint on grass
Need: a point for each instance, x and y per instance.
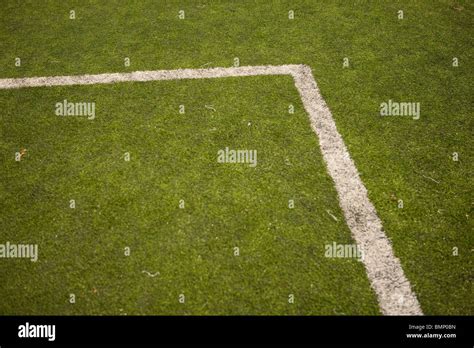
(384, 270)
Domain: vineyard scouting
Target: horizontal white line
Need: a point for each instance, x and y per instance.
(142, 76)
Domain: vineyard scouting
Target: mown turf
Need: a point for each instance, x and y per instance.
(402, 60)
(136, 204)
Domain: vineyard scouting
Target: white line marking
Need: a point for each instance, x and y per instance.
(384, 270)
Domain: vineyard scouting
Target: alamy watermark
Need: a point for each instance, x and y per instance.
(237, 156)
(335, 250)
(393, 108)
(66, 108)
(28, 251)
(37, 331)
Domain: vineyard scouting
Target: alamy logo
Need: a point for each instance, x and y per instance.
(237, 156)
(393, 108)
(37, 331)
(335, 250)
(66, 108)
(28, 251)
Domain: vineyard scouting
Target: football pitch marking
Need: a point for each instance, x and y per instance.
(384, 270)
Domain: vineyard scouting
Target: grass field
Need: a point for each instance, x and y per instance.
(173, 156)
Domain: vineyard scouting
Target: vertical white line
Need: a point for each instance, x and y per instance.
(383, 268)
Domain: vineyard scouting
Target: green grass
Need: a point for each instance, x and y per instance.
(136, 204)
(404, 60)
